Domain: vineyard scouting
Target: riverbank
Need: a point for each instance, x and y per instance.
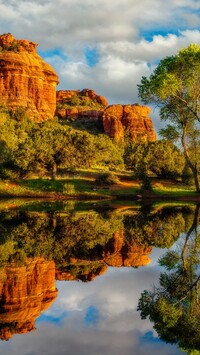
(84, 186)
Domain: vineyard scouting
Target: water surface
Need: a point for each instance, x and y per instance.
(70, 281)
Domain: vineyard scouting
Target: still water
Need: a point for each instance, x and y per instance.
(72, 280)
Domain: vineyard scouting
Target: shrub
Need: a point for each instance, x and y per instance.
(107, 179)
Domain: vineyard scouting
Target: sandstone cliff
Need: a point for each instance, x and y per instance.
(25, 292)
(25, 79)
(132, 120)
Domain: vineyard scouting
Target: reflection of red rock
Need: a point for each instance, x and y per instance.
(119, 252)
(133, 119)
(25, 292)
(25, 79)
(83, 273)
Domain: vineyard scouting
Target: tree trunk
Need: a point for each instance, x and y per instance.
(53, 171)
(190, 164)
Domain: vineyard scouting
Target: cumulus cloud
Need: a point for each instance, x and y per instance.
(66, 22)
(121, 65)
(129, 39)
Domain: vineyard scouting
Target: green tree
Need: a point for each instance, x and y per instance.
(175, 87)
(136, 157)
(165, 159)
(162, 158)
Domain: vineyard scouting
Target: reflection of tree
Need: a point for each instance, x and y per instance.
(35, 247)
(88, 236)
(174, 306)
(160, 228)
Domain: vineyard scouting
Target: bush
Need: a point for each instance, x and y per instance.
(107, 179)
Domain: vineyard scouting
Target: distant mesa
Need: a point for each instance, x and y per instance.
(27, 81)
(118, 120)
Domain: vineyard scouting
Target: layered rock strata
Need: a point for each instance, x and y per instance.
(26, 80)
(130, 120)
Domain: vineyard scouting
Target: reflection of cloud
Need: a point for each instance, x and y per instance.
(97, 317)
(92, 316)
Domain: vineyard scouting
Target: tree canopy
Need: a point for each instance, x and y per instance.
(175, 87)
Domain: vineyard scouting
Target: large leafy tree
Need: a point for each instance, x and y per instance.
(161, 157)
(175, 87)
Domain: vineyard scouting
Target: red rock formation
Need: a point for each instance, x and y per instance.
(25, 79)
(119, 253)
(65, 96)
(76, 104)
(133, 119)
(82, 274)
(25, 292)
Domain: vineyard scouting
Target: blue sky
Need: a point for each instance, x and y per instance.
(103, 45)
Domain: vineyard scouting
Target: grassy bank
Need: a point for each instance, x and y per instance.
(83, 185)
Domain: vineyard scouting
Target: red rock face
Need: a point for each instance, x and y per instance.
(25, 292)
(65, 96)
(76, 104)
(133, 120)
(25, 79)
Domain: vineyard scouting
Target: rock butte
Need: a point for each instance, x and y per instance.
(80, 104)
(132, 120)
(27, 81)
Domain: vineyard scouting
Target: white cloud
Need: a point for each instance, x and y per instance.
(121, 65)
(113, 28)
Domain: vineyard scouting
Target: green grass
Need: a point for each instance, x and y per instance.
(175, 191)
(82, 184)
